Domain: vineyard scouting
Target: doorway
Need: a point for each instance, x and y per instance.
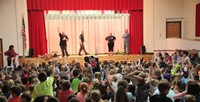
(173, 29)
(1, 53)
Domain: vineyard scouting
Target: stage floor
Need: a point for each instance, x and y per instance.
(80, 59)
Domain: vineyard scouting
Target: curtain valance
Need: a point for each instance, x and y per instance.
(85, 4)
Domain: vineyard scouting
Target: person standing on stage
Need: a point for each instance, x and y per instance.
(11, 55)
(126, 37)
(63, 43)
(111, 44)
(82, 47)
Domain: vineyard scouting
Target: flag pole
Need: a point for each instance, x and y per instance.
(23, 48)
(23, 37)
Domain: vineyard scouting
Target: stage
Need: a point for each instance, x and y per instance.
(80, 59)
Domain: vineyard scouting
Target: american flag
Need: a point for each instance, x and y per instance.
(23, 33)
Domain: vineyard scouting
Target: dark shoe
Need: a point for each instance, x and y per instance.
(79, 54)
(68, 55)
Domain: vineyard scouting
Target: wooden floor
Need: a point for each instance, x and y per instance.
(81, 58)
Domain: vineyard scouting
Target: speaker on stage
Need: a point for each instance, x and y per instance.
(31, 52)
(142, 49)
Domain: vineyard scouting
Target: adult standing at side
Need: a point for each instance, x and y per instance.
(11, 55)
(82, 46)
(0, 59)
(126, 37)
(63, 43)
(111, 43)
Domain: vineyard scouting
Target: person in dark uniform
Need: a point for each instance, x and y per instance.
(82, 47)
(63, 43)
(111, 43)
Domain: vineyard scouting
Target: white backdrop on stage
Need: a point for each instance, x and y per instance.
(96, 27)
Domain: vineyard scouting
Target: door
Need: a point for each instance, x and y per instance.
(1, 53)
(173, 29)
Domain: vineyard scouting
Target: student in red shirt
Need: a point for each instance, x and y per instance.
(15, 93)
(65, 92)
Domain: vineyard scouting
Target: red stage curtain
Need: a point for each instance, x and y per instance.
(85, 4)
(37, 32)
(198, 20)
(136, 31)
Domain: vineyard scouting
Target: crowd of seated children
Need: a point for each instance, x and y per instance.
(173, 77)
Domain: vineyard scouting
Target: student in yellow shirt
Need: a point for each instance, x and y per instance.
(46, 85)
